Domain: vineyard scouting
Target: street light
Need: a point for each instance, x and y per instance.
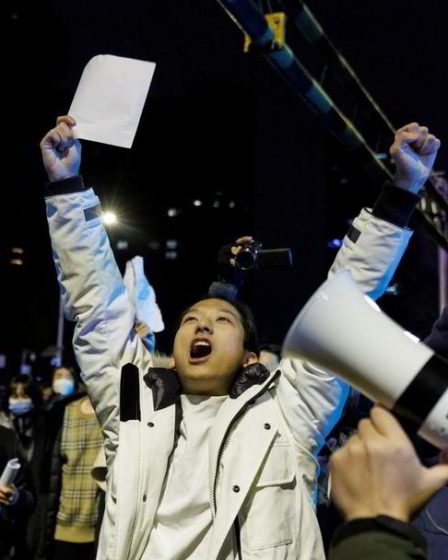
(109, 218)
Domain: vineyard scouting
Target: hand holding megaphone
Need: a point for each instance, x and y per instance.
(344, 332)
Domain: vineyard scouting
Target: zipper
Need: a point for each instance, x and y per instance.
(231, 426)
(225, 441)
(237, 528)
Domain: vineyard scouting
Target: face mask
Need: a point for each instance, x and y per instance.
(64, 386)
(20, 407)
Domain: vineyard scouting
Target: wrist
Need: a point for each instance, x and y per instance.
(59, 176)
(72, 184)
(408, 184)
(361, 513)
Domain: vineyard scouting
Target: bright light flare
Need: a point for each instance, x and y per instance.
(109, 218)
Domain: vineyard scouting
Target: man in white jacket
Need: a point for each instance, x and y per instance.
(216, 458)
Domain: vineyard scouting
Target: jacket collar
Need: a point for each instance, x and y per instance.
(166, 388)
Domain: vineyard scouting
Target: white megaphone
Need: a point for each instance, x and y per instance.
(345, 333)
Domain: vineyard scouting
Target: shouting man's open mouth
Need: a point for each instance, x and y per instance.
(200, 350)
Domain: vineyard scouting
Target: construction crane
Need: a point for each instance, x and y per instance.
(265, 33)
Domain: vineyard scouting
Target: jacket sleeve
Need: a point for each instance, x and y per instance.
(372, 250)
(377, 538)
(311, 400)
(95, 297)
(438, 339)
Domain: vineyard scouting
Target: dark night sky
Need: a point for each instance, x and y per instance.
(218, 125)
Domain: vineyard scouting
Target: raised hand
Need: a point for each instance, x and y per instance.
(61, 151)
(413, 151)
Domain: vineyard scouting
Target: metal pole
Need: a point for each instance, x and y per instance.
(249, 18)
(313, 32)
(443, 279)
(60, 334)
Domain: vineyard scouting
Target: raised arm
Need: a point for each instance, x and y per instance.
(374, 245)
(371, 250)
(92, 287)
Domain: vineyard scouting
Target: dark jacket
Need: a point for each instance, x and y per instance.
(14, 518)
(438, 339)
(377, 538)
(432, 521)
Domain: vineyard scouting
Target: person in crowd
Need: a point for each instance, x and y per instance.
(16, 500)
(432, 520)
(216, 458)
(77, 511)
(23, 411)
(378, 483)
(46, 462)
(64, 383)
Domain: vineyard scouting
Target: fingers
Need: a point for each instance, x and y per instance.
(354, 447)
(367, 431)
(5, 494)
(421, 138)
(142, 329)
(239, 244)
(407, 134)
(430, 145)
(417, 136)
(243, 240)
(386, 424)
(61, 137)
(66, 119)
(411, 128)
(436, 478)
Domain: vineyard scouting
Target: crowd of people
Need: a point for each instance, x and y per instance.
(57, 438)
(212, 453)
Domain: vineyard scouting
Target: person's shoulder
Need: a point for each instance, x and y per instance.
(6, 432)
(74, 401)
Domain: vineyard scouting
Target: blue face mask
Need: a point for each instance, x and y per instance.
(64, 386)
(20, 407)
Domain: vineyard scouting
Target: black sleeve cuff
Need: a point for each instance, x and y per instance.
(65, 186)
(395, 205)
(382, 523)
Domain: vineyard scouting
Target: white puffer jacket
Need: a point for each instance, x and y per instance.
(263, 443)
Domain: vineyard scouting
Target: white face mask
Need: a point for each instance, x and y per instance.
(64, 386)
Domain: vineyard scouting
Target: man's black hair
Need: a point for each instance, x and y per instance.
(251, 340)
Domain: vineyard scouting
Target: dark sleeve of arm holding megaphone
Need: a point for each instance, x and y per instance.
(438, 339)
(377, 538)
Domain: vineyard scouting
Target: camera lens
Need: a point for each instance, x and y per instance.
(245, 259)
